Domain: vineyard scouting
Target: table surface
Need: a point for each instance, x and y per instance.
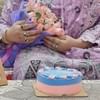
(22, 90)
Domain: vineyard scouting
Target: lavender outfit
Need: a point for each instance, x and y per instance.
(80, 19)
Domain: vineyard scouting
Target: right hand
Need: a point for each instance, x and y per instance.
(21, 32)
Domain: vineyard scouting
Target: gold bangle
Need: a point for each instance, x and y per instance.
(4, 38)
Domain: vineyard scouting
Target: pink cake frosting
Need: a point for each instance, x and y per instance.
(59, 90)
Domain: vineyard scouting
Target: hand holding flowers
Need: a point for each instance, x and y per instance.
(45, 19)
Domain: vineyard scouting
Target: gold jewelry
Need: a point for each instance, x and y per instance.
(22, 27)
(24, 33)
(55, 46)
(26, 40)
(4, 38)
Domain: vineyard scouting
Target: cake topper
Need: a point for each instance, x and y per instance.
(32, 69)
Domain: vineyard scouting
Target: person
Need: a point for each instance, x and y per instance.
(79, 48)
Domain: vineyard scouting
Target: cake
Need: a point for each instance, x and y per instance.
(58, 81)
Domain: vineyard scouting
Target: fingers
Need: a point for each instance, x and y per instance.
(62, 37)
(28, 36)
(51, 45)
(31, 39)
(50, 38)
(20, 22)
(31, 33)
(25, 26)
(48, 43)
(54, 40)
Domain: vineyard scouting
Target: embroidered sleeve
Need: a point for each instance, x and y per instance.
(5, 20)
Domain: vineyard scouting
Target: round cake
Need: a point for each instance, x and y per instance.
(59, 81)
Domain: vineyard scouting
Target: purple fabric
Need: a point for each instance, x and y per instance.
(20, 14)
(78, 19)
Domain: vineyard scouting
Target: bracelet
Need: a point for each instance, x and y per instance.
(4, 38)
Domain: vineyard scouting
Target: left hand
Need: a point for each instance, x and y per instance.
(60, 44)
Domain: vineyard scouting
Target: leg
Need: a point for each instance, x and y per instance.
(50, 58)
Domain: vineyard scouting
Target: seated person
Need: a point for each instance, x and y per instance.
(81, 25)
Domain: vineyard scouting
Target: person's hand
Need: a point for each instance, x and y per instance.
(65, 43)
(21, 32)
(60, 44)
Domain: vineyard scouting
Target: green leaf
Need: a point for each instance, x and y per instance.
(38, 15)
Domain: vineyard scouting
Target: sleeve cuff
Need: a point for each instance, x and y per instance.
(2, 31)
(92, 35)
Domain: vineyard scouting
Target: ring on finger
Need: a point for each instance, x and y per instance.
(24, 33)
(26, 40)
(22, 27)
(55, 46)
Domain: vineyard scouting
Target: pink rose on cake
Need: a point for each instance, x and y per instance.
(44, 18)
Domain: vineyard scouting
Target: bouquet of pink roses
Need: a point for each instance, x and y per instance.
(44, 18)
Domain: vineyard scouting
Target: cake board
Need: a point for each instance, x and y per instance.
(3, 80)
(82, 93)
